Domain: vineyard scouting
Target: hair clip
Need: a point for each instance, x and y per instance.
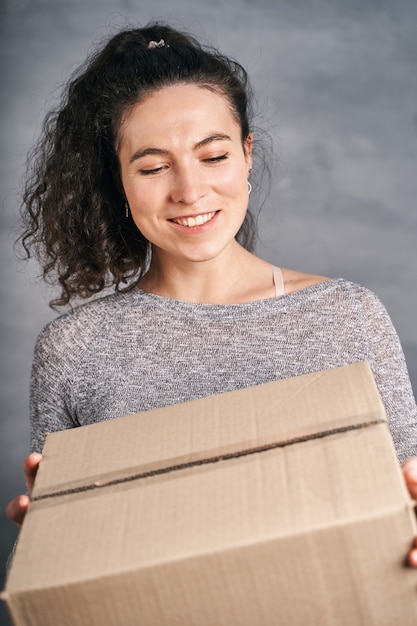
(159, 44)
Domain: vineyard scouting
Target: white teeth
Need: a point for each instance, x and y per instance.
(195, 221)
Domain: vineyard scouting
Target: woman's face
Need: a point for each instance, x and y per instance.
(184, 172)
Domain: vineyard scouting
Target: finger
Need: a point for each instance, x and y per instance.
(410, 475)
(17, 509)
(30, 467)
(412, 555)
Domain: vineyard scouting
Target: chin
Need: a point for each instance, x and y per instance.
(204, 253)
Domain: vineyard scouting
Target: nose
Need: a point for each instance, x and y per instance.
(187, 186)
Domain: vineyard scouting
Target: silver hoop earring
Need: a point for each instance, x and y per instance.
(127, 209)
(249, 188)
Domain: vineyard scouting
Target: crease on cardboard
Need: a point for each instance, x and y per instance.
(179, 465)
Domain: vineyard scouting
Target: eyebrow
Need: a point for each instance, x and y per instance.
(159, 151)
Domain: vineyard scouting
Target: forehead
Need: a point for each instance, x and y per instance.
(186, 111)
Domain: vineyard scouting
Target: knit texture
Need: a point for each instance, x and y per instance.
(132, 352)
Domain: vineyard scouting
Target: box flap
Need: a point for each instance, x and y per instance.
(276, 413)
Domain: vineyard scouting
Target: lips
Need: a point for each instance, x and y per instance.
(197, 220)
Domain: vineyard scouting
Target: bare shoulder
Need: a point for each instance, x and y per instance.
(296, 281)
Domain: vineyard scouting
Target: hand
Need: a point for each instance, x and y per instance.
(410, 475)
(17, 508)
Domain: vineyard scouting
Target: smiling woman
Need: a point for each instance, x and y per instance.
(186, 183)
(141, 182)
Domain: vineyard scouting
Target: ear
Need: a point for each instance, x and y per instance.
(247, 147)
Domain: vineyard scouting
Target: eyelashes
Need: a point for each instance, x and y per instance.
(157, 170)
(216, 159)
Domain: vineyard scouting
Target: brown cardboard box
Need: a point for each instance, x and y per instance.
(281, 504)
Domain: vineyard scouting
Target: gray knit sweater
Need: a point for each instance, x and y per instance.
(132, 352)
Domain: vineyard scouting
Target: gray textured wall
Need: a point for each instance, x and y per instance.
(337, 85)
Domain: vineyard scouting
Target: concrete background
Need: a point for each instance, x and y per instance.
(336, 82)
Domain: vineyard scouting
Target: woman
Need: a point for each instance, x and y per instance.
(142, 182)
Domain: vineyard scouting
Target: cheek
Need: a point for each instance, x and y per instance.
(142, 199)
(234, 183)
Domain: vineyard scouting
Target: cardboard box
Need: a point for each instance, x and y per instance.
(281, 504)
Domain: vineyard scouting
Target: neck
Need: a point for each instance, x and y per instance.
(226, 279)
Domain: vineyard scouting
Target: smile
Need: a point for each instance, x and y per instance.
(198, 220)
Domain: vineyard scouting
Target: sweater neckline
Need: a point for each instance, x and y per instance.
(285, 298)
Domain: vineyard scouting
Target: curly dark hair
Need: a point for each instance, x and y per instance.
(73, 205)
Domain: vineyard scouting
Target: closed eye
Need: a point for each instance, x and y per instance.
(154, 170)
(216, 159)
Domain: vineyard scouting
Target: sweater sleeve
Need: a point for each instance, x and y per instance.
(388, 364)
(49, 410)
